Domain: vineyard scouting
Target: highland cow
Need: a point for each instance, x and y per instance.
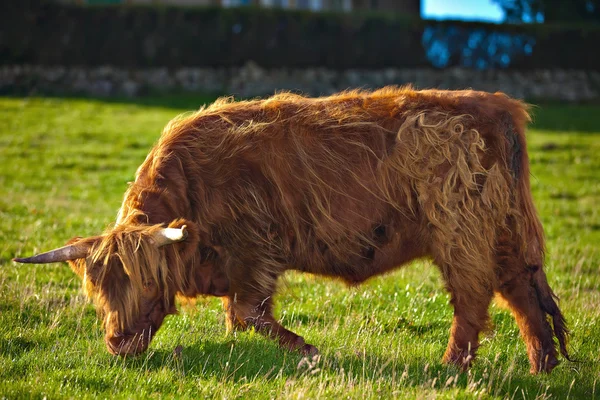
(348, 186)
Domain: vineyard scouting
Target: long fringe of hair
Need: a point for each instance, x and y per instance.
(123, 263)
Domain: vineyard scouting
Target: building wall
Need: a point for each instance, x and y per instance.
(314, 5)
(412, 7)
(405, 6)
(176, 2)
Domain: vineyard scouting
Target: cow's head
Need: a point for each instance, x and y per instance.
(130, 273)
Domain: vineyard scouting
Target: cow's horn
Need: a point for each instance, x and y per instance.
(170, 235)
(69, 252)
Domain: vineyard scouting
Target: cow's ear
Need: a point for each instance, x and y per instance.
(79, 265)
(188, 247)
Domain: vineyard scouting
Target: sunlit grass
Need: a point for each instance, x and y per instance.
(65, 164)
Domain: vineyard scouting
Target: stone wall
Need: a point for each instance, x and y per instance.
(252, 80)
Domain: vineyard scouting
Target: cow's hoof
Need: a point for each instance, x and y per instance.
(303, 348)
(308, 350)
(461, 359)
(547, 365)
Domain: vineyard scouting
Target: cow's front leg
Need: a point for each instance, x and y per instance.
(232, 323)
(245, 310)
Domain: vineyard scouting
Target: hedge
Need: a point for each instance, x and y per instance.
(49, 33)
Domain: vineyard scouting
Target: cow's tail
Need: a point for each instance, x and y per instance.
(531, 231)
(547, 300)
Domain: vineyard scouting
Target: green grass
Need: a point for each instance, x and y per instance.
(65, 164)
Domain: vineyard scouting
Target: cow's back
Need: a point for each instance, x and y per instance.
(314, 182)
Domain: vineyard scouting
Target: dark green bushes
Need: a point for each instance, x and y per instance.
(49, 33)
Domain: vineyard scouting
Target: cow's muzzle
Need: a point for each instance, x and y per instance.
(127, 344)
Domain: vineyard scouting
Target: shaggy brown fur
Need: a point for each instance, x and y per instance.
(348, 186)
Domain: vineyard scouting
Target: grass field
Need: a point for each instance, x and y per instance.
(65, 164)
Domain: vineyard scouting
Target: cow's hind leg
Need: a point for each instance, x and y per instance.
(526, 292)
(470, 318)
(466, 264)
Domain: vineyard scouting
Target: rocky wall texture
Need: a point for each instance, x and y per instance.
(252, 80)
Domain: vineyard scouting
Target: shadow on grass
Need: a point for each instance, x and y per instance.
(305, 319)
(260, 359)
(416, 329)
